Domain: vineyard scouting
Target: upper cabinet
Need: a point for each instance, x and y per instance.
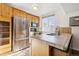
(0, 9)
(32, 18)
(19, 13)
(6, 10)
(36, 19)
(29, 18)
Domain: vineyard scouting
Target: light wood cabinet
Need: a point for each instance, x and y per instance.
(5, 28)
(29, 18)
(5, 34)
(39, 48)
(36, 19)
(6, 10)
(19, 13)
(32, 18)
(44, 48)
(6, 13)
(0, 9)
(57, 52)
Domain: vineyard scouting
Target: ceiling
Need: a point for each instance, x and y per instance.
(44, 8)
(70, 7)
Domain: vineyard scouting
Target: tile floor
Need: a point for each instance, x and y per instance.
(24, 52)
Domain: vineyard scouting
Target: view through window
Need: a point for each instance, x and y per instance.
(49, 24)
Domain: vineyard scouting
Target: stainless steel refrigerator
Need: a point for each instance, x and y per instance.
(20, 33)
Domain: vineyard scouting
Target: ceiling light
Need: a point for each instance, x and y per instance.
(35, 7)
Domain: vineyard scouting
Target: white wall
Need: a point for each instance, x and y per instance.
(75, 31)
(75, 39)
(76, 13)
(62, 19)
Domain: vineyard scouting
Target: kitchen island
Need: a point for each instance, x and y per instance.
(49, 44)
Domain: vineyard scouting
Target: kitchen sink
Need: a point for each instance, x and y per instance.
(52, 34)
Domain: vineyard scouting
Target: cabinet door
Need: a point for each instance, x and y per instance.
(37, 19)
(6, 10)
(32, 20)
(5, 34)
(9, 11)
(39, 48)
(36, 47)
(23, 14)
(19, 13)
(44, 49)
(57, 52)
(29, 18)
(15, 12)
(0, 9)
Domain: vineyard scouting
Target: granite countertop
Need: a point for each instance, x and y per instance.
(58, 41)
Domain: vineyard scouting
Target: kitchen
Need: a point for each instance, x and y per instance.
(38, 29)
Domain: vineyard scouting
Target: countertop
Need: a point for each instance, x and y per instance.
(57, 41)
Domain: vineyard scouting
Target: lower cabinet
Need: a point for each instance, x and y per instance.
(39, 48)
(56, 52)
(4, 49)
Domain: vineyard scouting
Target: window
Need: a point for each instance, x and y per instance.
(49, 24)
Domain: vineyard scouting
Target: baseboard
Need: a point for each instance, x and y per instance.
(74, 52)
(75, 49)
